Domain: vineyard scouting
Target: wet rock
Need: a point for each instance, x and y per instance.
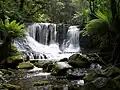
(47, 67)
(84, 42)
(57, 68)
(75, 74)
(89, 86)
(79, 61)
(13, 61)
(78, 82)
(1, 77)
(95, 66)
(35, 69)
(63, 60)
(94, 58)
(100, 82)
(41, 83)
(61, 68)
(9, 87)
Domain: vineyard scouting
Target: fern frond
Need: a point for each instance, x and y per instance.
(96, 26)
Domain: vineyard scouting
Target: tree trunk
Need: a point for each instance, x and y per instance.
(115, 22)
(21, 4)
(113, 9)
(5, 48)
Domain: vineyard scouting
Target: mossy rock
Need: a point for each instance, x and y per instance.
(13, 61)
(10, 87)
(47, 67)
(41, 83)
(38, 64)
(79, 61)
(56, 68)
(25, 65)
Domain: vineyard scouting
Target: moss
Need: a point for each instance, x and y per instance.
(14, 51)
(41, 83)
(38, 64)
(10, 87)
(13, 59)
(79, 61)
(25, 65)
(47, 67)
(55, 69)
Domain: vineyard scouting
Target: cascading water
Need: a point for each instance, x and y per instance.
(40, 42)
(44, 33)
(71, 43)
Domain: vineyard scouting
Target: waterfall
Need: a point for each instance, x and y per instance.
(71, 43)
(44, 33)
(40, 42)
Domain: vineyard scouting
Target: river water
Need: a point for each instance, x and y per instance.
(41, 43)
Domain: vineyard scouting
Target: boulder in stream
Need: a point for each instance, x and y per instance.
(25, 65)
(13, 61)
(56, 68)
(79, 61)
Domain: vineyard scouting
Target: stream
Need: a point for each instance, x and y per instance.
(26, 78)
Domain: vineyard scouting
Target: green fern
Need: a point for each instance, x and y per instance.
(98, 26)
(14, 29)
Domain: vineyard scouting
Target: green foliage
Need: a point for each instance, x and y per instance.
(82, 17)
(14, 29)
(25, 65)
(11, 30)
(106, 16)
(8, 32)
(82, 14)
(56, 11)
(41, 18)
(22, 10)
(96, 26)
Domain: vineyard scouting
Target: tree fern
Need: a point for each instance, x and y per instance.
(98, 26)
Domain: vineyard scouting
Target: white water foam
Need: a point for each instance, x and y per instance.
(41, 39)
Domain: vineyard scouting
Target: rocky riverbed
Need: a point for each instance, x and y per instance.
(78, 72)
